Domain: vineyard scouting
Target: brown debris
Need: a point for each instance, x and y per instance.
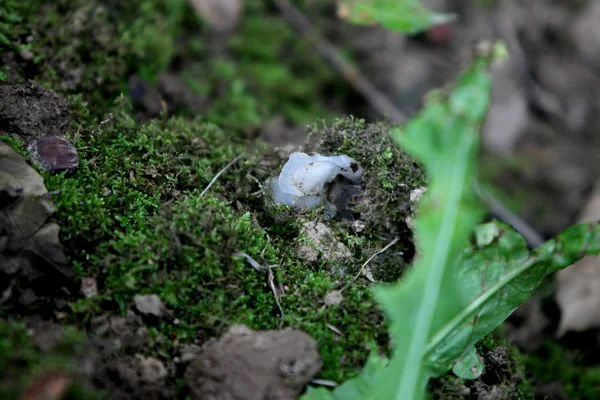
(251, 365)
(30, 112)
(48, 386)
(321, 241)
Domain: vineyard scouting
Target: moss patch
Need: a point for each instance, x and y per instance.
(554, 363)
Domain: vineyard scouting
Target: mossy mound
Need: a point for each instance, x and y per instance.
(389, 174)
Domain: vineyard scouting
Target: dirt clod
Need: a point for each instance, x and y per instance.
(29, 112)
(321, 239)
(151, 305)
(251, 365)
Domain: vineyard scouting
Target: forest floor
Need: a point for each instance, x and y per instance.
(141, 254)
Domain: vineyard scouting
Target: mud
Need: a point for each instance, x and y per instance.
(30, 112)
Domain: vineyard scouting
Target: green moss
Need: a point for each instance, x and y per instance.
(16, 144)
(131, 214)
(127, 170)
(149, 30)
(186, 255)
(12, 15)
(91, 47)
(21, 360)
(389, 174)
(554, 363)
(285, 74)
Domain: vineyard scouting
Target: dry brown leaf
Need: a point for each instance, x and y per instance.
(48, 386)
(578, 292)
(222, 15)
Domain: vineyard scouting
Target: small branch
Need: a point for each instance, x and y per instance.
(504, 214)
(221, 172)
(301, 24)
(255, 264)
(271, 279)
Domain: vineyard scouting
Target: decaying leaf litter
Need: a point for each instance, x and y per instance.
(123, 366)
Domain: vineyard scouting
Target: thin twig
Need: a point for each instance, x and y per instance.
(362, 269)
(271, 280)
(334, 329)
(270, 277)
(221, 172)
(323, 382)
(301, 24)
(503, 213)
(255, 264)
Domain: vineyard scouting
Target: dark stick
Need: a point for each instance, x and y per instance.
(301, 24)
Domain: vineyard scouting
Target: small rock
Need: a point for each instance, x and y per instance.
(321, 239)
(414, 197)
(333, 298)
(151, 369)
(53, 153)
(29, 245)
(152, 305)
(250, 365)
(26, 54)
(89, 287)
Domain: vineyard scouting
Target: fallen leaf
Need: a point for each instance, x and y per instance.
(222, 15)
(48, 386)
(53, 153)
(578, 292)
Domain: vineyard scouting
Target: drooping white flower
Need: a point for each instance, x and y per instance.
(303, 178)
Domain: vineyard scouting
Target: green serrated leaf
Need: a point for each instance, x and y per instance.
(445, 137)
(361, 387)
(469, 365)
(451, 297)
(407, 16)
(498, 275)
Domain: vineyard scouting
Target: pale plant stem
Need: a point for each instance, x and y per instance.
(413, 365)
(221, 172)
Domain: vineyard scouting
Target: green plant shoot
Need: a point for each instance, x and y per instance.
(452, 297)
(407, 16)
(444, 136)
